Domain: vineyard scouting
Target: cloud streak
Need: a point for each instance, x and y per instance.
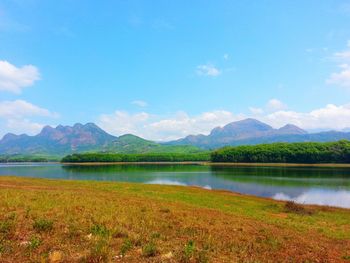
(208, 70)
(342, 77)
(140, 103)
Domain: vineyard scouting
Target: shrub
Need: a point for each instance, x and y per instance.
(43, 225)
(164, 210)
(292, 207)
(126, 246)
(7, 224)
(189, 250)
(34, 243)
(100, 230)
(99, 252)
(5, 227)
(347, 258)
(149, 250)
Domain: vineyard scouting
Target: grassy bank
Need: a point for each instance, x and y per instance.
(85, 221)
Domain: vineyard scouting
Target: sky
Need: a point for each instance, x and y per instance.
(165, 69)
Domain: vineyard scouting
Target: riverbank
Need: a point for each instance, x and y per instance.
(345, 165)
(90, 221)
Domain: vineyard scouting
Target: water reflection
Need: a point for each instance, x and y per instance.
(319, 197)
(165, 182)
(310, 185)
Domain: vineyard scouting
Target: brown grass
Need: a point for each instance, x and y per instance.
(121, 222)
(292, 207)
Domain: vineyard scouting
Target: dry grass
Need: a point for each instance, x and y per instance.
(71, 221)
(292, 207)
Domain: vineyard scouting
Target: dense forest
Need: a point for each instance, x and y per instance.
(305, 152)
(146, 157)
(17, 158)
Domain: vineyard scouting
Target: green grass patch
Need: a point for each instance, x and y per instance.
(43, 225)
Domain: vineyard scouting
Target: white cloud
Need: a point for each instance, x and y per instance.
(140, 103)
(272, 105)
(122, 122)
(329, 117)
(22, 108)
(14, 79)
(342, 55)
(275, 104)
(181, 124)
(19, 126)
(342, 77)
(17, 117)
(171, 127)
(208, 70)
(319, 197)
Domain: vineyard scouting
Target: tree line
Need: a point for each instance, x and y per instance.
(303, 152)
(26, 158)
(146, 157)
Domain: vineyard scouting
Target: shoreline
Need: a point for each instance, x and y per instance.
(338, 165)
(215, 191)
(204, 163)
(189, 187)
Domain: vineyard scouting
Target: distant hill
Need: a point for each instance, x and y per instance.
(129, 143)
(64, 140)
(59, 140)
(251, 131)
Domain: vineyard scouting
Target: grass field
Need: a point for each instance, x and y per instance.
(86, 221)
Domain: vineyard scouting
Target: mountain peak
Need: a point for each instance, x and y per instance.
(78, 125)
(242, 128)
(291, 129)
(251, 123)
(92, 126)
(9, 136)
(47, 130)
(245, 131)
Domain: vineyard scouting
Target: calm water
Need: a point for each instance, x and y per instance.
(323, 186)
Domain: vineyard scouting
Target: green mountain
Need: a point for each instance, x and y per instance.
(64, 140)
(129, 143)
(251, 131)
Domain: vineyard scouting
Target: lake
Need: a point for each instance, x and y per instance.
(307, 185)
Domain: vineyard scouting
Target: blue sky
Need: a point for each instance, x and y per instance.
(165, 69)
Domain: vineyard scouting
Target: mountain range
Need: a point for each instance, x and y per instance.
(63, 140)
(251, 131)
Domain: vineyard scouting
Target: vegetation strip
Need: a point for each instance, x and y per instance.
(305, 152)
(288, 153)
(149, 157)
